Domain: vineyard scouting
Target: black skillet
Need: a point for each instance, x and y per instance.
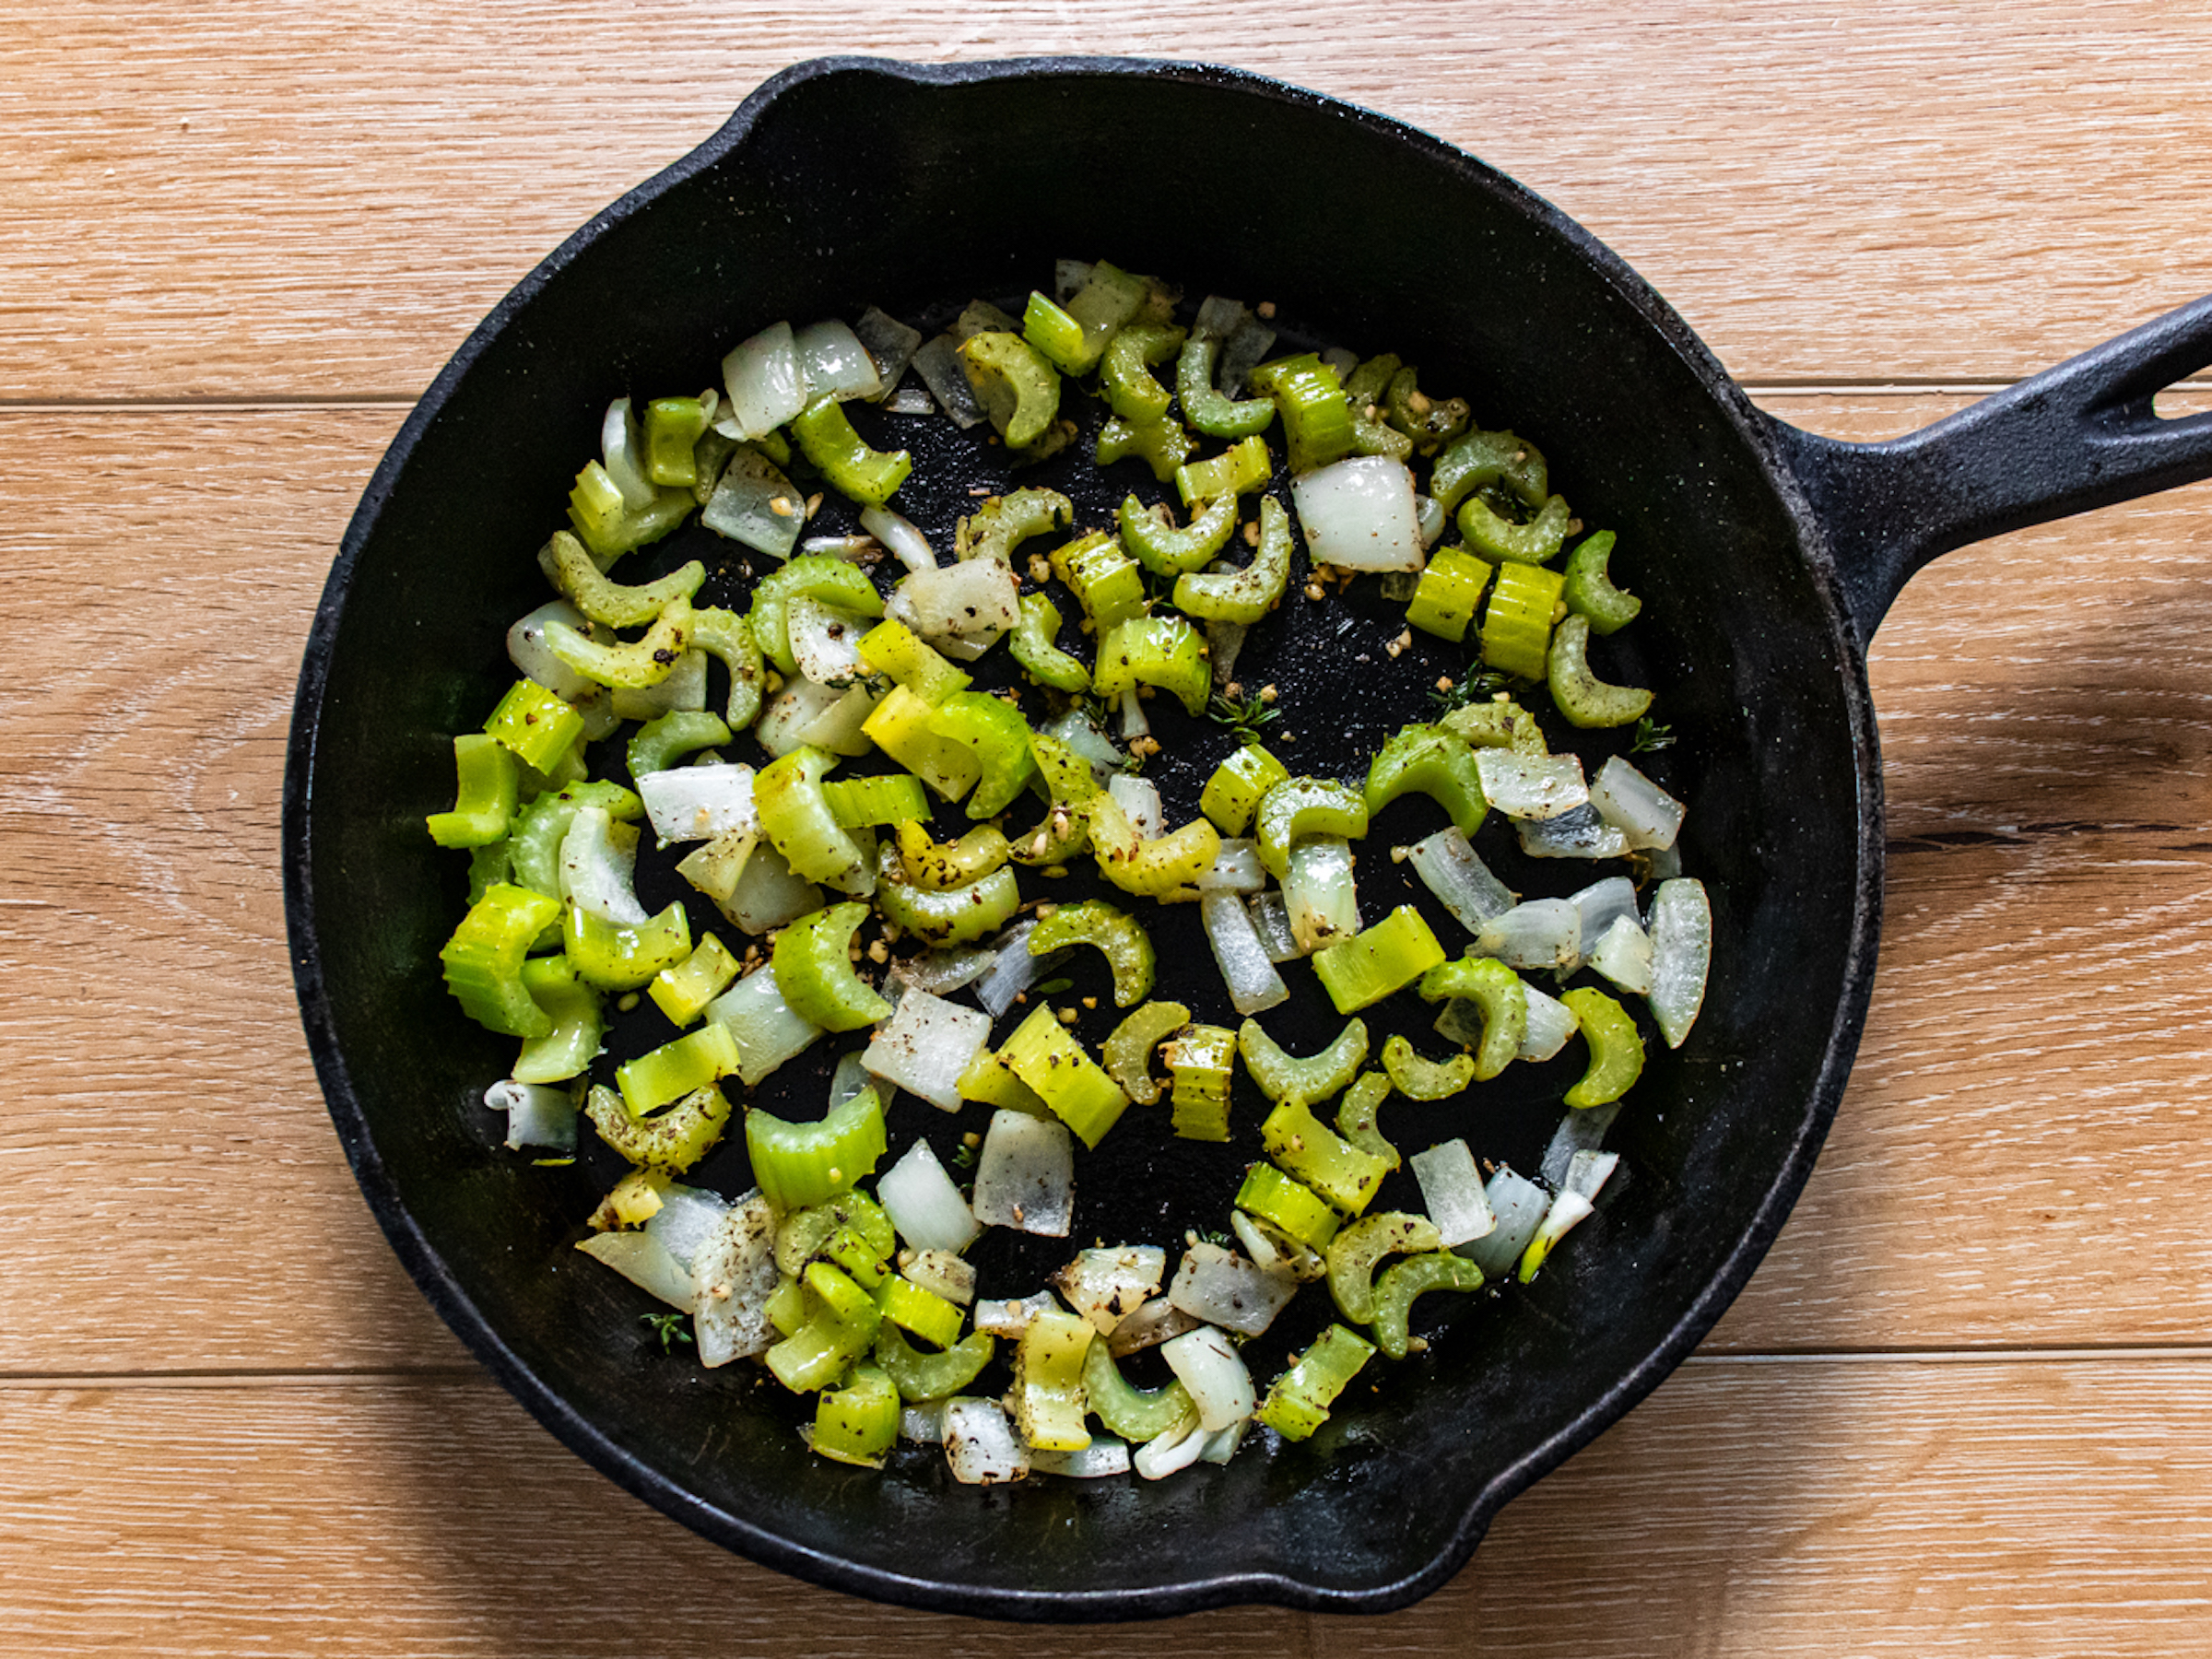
(1765, 557)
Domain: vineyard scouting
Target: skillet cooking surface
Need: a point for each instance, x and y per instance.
(841, 185)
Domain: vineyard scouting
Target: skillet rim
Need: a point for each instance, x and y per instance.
(1765, 438)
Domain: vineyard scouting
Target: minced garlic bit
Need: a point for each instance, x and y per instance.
(1443, 682)
(1041, 569)
(879, 952)
(1268, 693)
(1089, 1002)
(814, 503)
(1399, 854)
(1067, 1015)
(1315, 592)
(782, 506)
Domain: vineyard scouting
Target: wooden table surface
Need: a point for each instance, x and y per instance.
(1965, 1407)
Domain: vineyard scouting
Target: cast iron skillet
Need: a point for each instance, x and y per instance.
(1766, 556)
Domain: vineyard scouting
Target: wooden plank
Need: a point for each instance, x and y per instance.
(159, 1108)
(278, 200)
(1819, 1508)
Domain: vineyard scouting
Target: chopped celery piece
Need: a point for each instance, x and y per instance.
(1299, 1399)
(1589, 591)
(1479, 460)
(1244, 596)
(1616, 1047)
(825, 435)
(537, 726)
(1422, 1080)
(1019, 389)
(1362, 970)
(1034, 645)
(932, 1376)
(1495, 989)
(1128, 1053)
(581, 582)
(544, 825)
(1517, 628)
(484, 960)
(672, 1140)
(485, 797)
(1536, 542)
(1135, 1413)
(568, 1050)
(988, 1079)
(817, 576)
(676, 1069)
(841, 1327)
(1245, 465)
(901, 726)
(1207, 409)
(729, 637)
(673, 429)
(1448, 593)
(892, 648)
(1292, 1205)
(634, 664)
(1580, 696)
(1304, 1148)
(1048, 1382)
(1043, 1054)
(1357, 1114)
(1433, 761)
(1103, 578)
(1000, 524)
(954, 916)
(1299, 807)
(1167, 869)
(1317, 422)
(1283, 1077)
(683, 992)
(925, 1312)
(1124, 372)
(815, 974)
(796, 817)
(1355, 1252)
(679, 732)
(992, 731)
(1234, 794)
(938, 867)
(1416, 1277)
(1122, 940)
(857, 1423)
(1201, 1060)
(615, 956)
(1166, 652)
(1167, 551)
(802, 1164)
(1161, 444)
(885, 798)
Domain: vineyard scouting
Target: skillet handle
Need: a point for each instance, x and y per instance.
(2079, 436)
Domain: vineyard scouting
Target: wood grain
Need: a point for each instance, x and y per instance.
(1757, 1509)
(251, 198)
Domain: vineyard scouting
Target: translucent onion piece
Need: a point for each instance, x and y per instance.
(1014, 971)
(1246, 968)
(937, 362)
(1581, 1130)
(1274, 1251)
(791, 711)
(537, 1114)
(1450, 867)
(1134, 723)
(1218, 1287)
(645, 1263)
(1568, 1211)
(1550, 1023)
(1107, 1285)
(1220, 1387)
(1587, 1172)
(1624, 956)
(1531, 786)
(923, 1424)
(698, 802)
(734, 1272)
(1247, 345)
(1139, 798)
(1069, 278)
(755, 505)
(1681, 955)
(1025, 1178)
(1271, 921)
(688, 1218)
(526, 648)
(766, 1031)
(1319, 895)
(1225, 641)
(924, 1205)
(1104, 1455)
(911, 400)
(1544, 933)
(941, 972)
(1151, 1325)
(838, 728)
(850, 1078)
(907, 544)
(1577, 832)
(925, 1046)
(941, 1271)
(980, 1446)
(766, 382)
(1236, 869)
(598, 861)
(963, 609)
(1359, 513)
(853, 549)
(686, 688)
(1603, 902)
(1519, 1205)
(834, 361)
(619, 455)
(890, 342)
(769, 895)
(1451, 1192)
(1632, 804)
(1076, 730)
(1011, 1316)
(1431, 515)
(1170, 1452)
(826, 641)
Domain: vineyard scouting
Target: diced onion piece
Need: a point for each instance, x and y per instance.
(1224, 639)
(944, 971)
(1531, 786)
(527, 650)
(1274, 1251)
(1519, 1205)
(698, 802)
(1451, 1192)
(1449, 865)
(766, 1031)
(688, 1218)
(1107, 1285)
(949, 1276)
(766, 382)
(1014, 971)
(1220, 1287)
(1550, 1023)
(1155, 1323)
(911, 400)
(1433, 520)
(923, 1424)
(1582, 1130)
(1025, 1177)
(1221, 1445)
(1236, 869)
(907, 545)
(834, 361)
(619, 453)
(1361, 514)
(734, 1273)
(1254, 985)
(1544, 933)
(1139, 798)
(1075, 729)
(1624, 956)
(1104, 1455)
(924, 1204)
(1134, 723)
(1566, 1211)
(1602, 902)
(598, 858)
(1170, 1452)
(925, 1046)
(1011, 1316)
(1588, 1171)
(838, 728)
(1681, 955)
(1638, 809)
(537, 1114)
(1577, 832)
(769, 895)
(644, 1260)
(826, 641)
(962, 609)
(1219, 1384)
(1319, 895)
(853, 549)
(784, 721)
(890, 342)
(937, 361)
(850, 1078)
(1271, 920)
(980, 1446)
